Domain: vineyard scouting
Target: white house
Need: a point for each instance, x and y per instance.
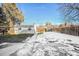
(25, 29)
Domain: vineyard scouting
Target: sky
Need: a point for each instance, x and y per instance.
(40, 13)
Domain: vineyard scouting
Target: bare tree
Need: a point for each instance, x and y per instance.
(70, 12)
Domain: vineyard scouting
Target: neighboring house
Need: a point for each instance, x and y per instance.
(25, 29)
(32, 29)
(44, 28)
(40, 29)
(17, 29)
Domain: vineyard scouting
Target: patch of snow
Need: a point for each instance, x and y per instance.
(50, 44)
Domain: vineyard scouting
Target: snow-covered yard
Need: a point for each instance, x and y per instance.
(10, 48)
(46, 44)
(50, 44)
